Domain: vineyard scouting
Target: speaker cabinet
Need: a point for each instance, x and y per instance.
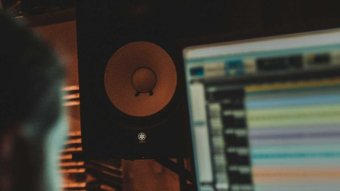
(133, 99)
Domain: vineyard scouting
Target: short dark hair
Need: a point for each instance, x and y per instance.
(31, 77)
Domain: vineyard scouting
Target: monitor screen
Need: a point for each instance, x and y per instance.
(265, 113)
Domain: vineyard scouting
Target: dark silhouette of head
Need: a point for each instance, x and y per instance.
(32, 121)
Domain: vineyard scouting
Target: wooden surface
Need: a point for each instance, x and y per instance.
(148, 175)
(62, 36)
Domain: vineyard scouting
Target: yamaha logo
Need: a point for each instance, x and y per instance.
(141, 137)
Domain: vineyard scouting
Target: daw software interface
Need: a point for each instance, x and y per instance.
(265, 113)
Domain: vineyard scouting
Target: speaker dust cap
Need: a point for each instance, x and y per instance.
(140, 79)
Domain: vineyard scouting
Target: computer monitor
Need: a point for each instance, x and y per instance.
(265, 113)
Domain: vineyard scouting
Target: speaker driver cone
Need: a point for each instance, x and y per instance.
(140, 79)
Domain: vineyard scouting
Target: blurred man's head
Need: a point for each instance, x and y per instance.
(32, 123)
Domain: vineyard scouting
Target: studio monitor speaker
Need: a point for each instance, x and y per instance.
(132, 93)
(132, 86)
